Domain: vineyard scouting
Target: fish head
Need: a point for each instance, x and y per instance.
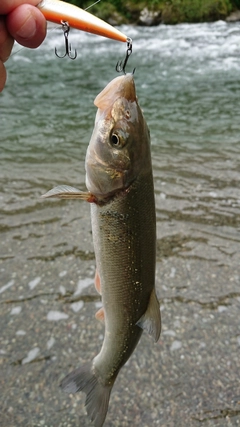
(120, 144)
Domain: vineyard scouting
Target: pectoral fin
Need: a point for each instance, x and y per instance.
(151, 320)
(67, 192)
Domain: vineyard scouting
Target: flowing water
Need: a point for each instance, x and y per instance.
(188, 85)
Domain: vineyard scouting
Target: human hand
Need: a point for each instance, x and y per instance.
(20, 20)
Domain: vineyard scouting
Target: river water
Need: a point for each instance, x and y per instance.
(188, 84)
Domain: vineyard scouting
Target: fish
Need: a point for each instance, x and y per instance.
(119, 180)
(57, 11)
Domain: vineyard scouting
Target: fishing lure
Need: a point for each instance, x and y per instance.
(58, 11)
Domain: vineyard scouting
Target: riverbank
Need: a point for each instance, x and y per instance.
(150, 13)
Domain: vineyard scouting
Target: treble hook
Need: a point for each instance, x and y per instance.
(66, 29)
(121, 66)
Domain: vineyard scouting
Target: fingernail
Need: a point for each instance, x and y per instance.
(28, 29)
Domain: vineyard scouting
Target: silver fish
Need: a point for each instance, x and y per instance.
(120, 189)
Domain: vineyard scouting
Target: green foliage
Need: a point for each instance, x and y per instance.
(118, 4)
(236, 3)
(173, 11)
(196, 10)
(79, 3)
(108, 12)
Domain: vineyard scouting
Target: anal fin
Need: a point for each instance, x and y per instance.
(151, 319)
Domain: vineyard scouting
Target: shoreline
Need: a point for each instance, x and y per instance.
(151, 18)
(161, 12)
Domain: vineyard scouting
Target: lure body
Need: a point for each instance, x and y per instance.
(57, 11)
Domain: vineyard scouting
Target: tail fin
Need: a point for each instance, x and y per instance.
(97, 394)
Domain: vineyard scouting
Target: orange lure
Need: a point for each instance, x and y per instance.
(57, 11)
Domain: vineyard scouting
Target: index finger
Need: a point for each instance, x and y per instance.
(6, 6)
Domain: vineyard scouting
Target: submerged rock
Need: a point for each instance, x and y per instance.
(234, 16)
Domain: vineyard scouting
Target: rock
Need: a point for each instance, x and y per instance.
(149, 17)
(116, 19)
(234, 16)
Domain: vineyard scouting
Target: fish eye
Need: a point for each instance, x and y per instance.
(118, 138)
(115, 140)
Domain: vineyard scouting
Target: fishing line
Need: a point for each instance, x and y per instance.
(89, 7)
(52, 29)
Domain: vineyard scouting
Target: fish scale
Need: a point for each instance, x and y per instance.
(129, 278)
(130, 256)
